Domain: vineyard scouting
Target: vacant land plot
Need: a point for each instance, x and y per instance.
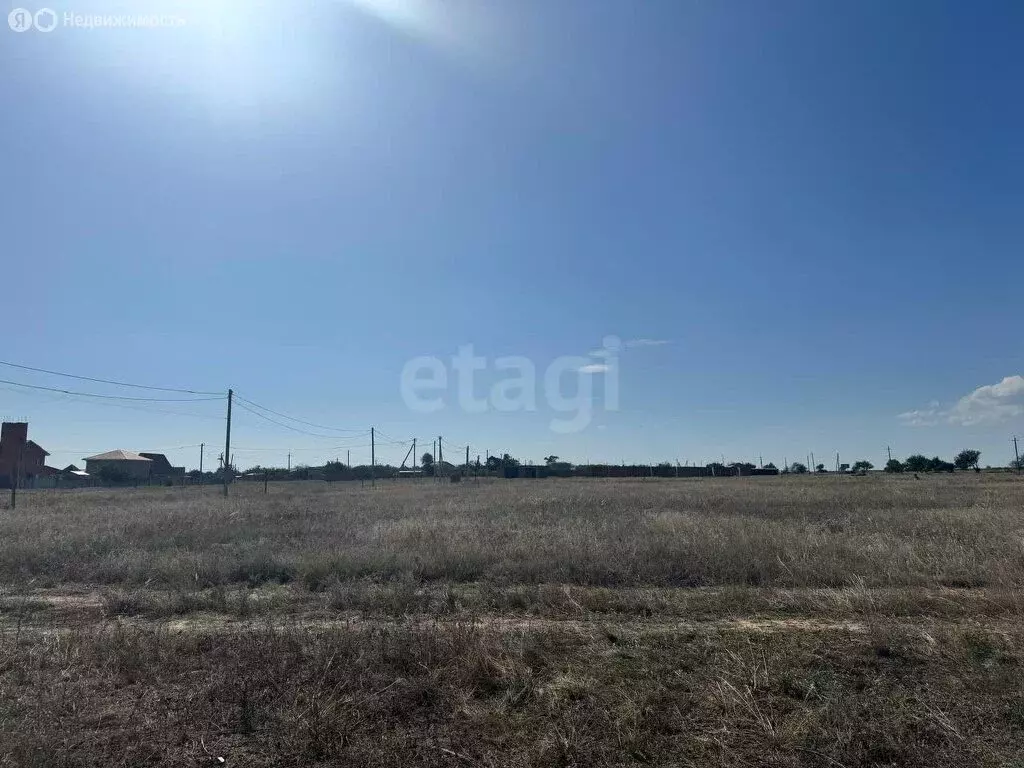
(741, 621)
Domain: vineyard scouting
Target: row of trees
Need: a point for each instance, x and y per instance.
(966, 459)
(336, 470)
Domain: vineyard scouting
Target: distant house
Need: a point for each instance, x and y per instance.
(119, 464)
(20, 458)
(72, 476)
(161, 468)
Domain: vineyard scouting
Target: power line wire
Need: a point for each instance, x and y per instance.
(105, 381)
(65, 398)
(114, 397)
(289, 426)
(299, 421)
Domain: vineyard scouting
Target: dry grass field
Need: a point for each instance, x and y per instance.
(803, 621)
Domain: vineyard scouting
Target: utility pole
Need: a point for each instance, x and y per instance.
(837, 461)
(202, 447)
(1016, 454)
(348, 458)
(760, 461)
(467, 458)
(415, 458)
(889, 451)
(289, 461)
(373, 458)
(440, 452)
(227, 443)
(812, 463)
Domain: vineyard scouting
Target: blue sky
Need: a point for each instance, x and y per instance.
(816, 206)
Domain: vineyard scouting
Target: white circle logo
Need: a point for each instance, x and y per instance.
(46, 20)
(20, 20)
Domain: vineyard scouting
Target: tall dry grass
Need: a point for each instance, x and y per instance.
(964, 530)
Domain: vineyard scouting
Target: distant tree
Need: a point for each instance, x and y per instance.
(493, 463)
(935, 464)
(844, 468)
(797, 468)
(769, 465)
(916, 463)
(427, 462)
(334, 470)
(820, 469)
(862, 465)
(893, 466)
(508, 461)
(549, 460)
(967, 459)
(1017, 463)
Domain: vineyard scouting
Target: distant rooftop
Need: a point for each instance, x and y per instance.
(117, 455)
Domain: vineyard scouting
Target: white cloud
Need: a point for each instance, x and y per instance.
(593, 368)
(630, 344)
(991, 404)
(927, 417)
(987, 405)
(647, 342)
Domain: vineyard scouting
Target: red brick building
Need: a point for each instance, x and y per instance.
(19, 456)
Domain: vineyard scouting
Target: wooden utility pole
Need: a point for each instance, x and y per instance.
(266, 476)
(1016, 454)
(440, 453)
(202, 447)
(467, 458)
(289, 461)
(227, 444)
(415, 458)
(889, 451)
(373, 458)
(348, 457)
